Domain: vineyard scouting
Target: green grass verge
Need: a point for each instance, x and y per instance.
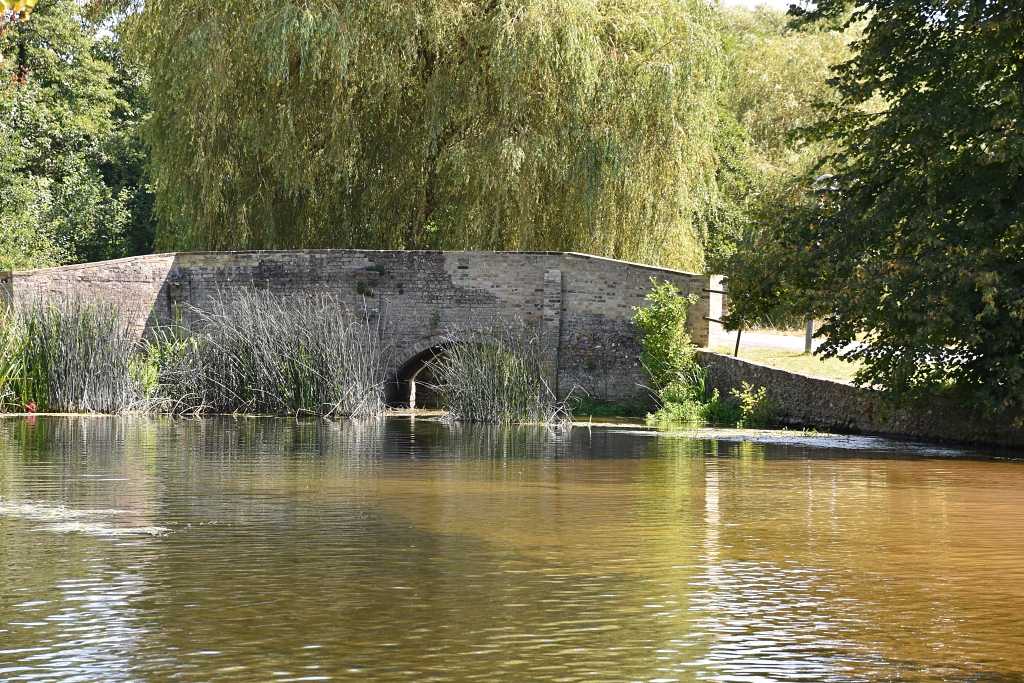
(795, 361)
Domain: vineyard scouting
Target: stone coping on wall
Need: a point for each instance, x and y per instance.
(172, 254)
(833, 405)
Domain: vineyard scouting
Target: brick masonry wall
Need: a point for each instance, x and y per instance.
(579, 306)
(805, 401)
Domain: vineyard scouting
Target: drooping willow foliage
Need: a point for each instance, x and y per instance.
(544, 124)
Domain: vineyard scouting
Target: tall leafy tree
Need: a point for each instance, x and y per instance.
(775, 74)
(68, 123)
(915, 243)
(547, 124)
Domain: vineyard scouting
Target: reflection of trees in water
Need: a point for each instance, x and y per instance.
(756, 619)
(76, 449)
(504, 553)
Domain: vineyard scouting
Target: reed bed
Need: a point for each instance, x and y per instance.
(12, 341)
(70, 355)
(497, 379)
(253, 352)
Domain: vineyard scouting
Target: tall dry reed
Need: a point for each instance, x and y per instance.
(254, 352)
(497, 379)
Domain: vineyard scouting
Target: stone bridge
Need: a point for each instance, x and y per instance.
(579, 306)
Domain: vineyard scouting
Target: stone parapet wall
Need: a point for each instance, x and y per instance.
(806, 401)
(579, 306)
(134, 283)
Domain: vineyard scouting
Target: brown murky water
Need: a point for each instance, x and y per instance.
(270, 550)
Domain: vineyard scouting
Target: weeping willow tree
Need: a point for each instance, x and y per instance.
(541, 124)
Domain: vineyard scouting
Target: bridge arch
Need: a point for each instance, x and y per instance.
(412, 368)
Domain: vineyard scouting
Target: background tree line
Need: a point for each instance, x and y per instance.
(72, 155)
(636, 129)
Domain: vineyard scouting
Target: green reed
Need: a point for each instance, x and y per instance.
(69, 354)
(12, 341)
(498, 378)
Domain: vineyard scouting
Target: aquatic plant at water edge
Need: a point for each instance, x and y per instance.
(688, 398)
(758, 408)
(12, 341)
(79, 355)
(256, 352)
(720, 411)
(678, 382)
(589, 406)
(496, 378)
(684, 397)
(677, 411)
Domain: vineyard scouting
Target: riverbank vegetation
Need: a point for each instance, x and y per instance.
(260, 354)
(498, 378)
(253, 352)
(71, 356)
(679, 385)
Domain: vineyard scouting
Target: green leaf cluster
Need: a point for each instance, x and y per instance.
(775, 73)
(667, 348)
(757, 409)
(71, 158)
(912, 244)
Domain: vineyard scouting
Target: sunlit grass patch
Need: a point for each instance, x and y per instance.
(796, 361)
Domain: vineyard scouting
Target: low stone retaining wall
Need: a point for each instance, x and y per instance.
(806, 401)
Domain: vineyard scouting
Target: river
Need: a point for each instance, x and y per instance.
(250, 550)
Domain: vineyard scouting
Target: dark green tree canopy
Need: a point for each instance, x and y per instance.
(70, 157)
(916, 241)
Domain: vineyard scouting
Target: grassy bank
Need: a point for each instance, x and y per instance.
(796, 361)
